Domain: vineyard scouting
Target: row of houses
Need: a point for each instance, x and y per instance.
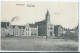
(41, 28)
(33, 30)
(18, 30)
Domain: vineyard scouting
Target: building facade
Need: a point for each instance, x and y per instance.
(58, 30)
(41, 28)
(45, 28)
(34, 29)
(4, 28)
(25, 30)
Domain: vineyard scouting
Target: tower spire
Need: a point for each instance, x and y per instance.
(47, 15)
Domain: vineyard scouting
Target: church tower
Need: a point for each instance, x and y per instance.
(49, 26)
(47, 22)
(47, 16)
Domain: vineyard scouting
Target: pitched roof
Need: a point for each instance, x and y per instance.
(33, 25)
(5, 24)
(21, 27)
(57, 26)
(13, 26)
(40, 22)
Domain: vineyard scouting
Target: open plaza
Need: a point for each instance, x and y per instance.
(37, 43)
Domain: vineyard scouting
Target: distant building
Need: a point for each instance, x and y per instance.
(58, 30)
(17, 30)
(77, 31)
(45, 28)
(41, 28)
(4, 28)
(34, 29)
(25, 30)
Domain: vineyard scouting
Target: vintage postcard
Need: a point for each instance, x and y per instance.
(39, 26)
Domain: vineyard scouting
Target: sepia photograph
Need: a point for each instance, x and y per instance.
(39, 26)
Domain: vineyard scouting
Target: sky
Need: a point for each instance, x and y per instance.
(61, 13)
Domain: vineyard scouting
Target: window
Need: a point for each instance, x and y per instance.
(48, 28)
(22, 34)
(26, 33)
(34, 33)
(13, 33)
(51, 28)
(31, 33)
(28, 29)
